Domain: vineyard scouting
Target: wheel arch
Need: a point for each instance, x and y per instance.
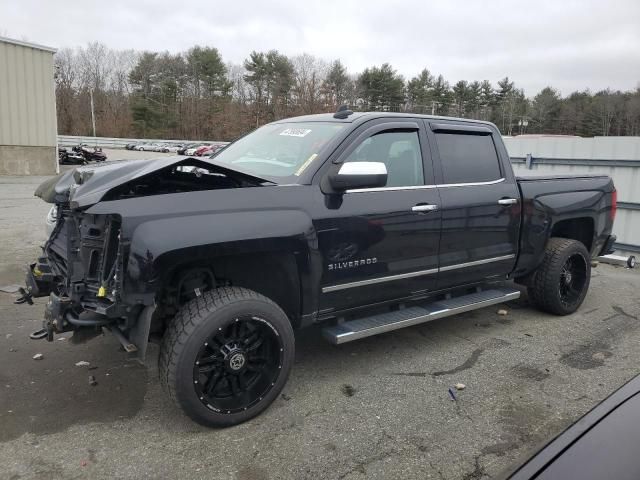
(273, 274)
(581, 229)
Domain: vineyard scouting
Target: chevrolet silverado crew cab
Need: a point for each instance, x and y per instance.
(361, 222)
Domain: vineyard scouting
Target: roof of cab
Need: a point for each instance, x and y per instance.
(358, 117)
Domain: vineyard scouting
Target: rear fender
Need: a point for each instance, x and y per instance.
(544, 214)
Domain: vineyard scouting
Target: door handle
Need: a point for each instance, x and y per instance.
(424, 208)
(508, 201)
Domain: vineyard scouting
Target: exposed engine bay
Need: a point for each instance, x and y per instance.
(190, 176)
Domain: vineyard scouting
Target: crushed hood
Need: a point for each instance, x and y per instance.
(86, 185)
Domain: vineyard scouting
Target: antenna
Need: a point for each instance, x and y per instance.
(343, 112)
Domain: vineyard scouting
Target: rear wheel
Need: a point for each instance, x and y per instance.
(226, 356)
(561, 282)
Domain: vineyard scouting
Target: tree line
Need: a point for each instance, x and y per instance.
(196, 95)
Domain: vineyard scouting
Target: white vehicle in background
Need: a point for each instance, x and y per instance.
(192, 151)
(171, 148)
(147, 147)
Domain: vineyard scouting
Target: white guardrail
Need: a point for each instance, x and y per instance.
(106, 142)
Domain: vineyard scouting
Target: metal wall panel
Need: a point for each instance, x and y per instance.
(27, 95)
(618, 157)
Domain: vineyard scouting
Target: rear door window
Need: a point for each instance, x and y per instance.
(467, 158)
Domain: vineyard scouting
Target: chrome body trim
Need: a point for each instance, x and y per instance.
(476, 262)
(360, 283)
(424, 208)
(401, 276)
(424, 187)
(363, 168)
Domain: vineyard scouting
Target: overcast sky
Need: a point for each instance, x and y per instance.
(571, 45)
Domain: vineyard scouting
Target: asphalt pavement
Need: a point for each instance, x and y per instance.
(375, 408)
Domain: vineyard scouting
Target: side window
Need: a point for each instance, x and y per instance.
(467, 158)
(399, 151)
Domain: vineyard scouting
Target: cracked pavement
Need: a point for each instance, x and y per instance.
(376, 408)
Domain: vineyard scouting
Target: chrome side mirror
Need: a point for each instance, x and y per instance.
(353, 175)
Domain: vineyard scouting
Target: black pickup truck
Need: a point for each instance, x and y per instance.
(363, 222)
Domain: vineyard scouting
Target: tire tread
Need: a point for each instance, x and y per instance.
(186, 321)
(542, 290)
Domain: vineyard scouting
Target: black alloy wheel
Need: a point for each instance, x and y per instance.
(238, 365)
(561, 281)
(226, 356)
(572, 279)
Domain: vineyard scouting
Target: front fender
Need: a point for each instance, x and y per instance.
(158, 245)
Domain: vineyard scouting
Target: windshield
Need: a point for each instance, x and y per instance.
(280, 150)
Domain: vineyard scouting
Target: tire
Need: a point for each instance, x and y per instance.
(211, 345)
(561, 282)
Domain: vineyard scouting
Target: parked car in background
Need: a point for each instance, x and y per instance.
(183, 150)
(202, 150)
(146, 147)
(578, 452)
(209, 150)
(192, 151)
(171, 148)
(131, 146)
(159, 147)
(217, 150)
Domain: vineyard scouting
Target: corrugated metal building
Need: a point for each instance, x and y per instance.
(618, 157)
(28, 127)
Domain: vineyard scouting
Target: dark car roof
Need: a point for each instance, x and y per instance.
(578, 452)
(358, 117)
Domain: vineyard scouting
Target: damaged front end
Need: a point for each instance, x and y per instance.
(81, 271)
(85, 262)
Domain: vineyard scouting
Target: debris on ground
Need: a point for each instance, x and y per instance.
(452, 394)
(61, 338)
(460, 386)
(9, 335)
(13, 350)
(38, 356)
(348, 390)
(92, 381)
(82, 363)
(10, 288)
(502, 312)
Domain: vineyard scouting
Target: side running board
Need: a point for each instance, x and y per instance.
(386, 322)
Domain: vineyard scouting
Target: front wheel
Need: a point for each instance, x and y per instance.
(226, 356)
(561, 282)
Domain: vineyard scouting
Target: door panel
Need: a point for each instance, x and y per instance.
(476, 228)
(376, 239)
(479, 204)
(375, 245)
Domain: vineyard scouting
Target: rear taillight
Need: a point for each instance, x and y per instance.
(614, 203)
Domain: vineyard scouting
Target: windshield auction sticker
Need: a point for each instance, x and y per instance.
(295, 132)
